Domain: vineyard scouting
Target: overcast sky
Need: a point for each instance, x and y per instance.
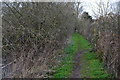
(90, 5)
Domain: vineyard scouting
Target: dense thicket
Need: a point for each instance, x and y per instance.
(104, 34)
(32, 35)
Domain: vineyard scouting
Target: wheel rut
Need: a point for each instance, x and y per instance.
(77, 66)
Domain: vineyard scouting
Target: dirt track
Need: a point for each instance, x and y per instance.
(77, 66)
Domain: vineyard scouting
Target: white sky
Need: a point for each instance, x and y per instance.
(90, 5)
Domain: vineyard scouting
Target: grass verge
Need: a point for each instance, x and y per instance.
(92, 67)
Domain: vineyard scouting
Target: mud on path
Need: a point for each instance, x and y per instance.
(77, 66)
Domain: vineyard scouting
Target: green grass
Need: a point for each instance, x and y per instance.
(65, 67)
(92, 67)
(83, 43)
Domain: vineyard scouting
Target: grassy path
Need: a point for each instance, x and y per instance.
(77, 65)
(65, 68)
